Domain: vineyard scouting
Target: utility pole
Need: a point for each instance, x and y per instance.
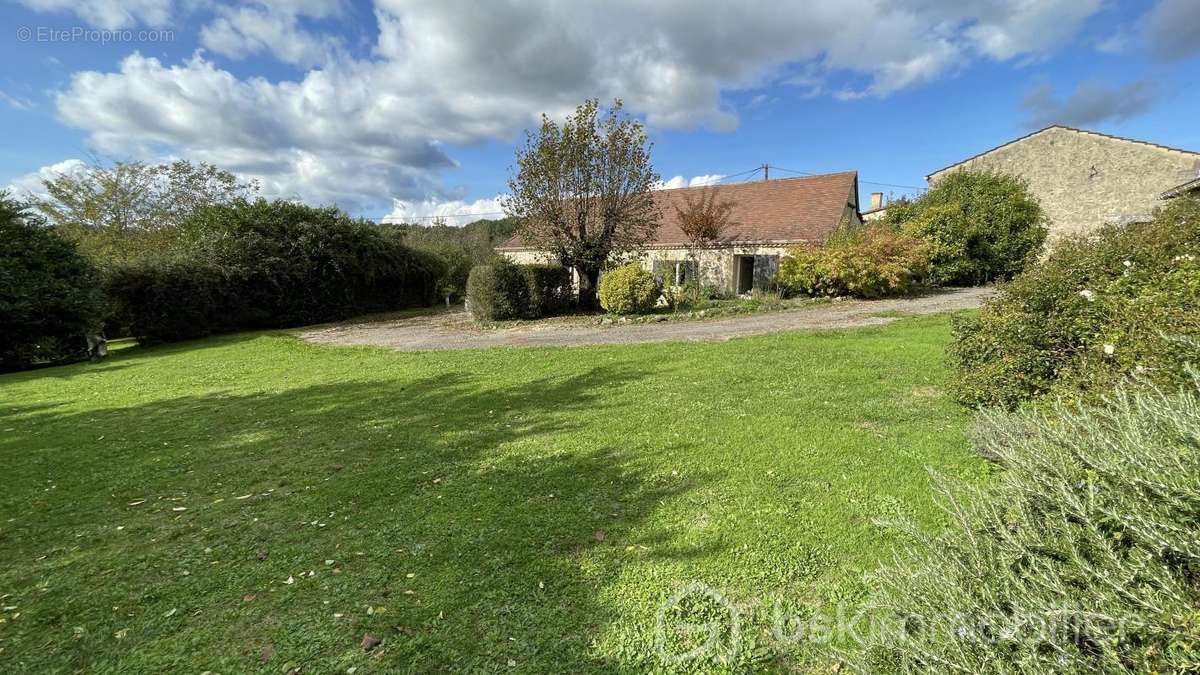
(766, 172)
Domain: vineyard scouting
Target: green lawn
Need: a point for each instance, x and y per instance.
(505, 509)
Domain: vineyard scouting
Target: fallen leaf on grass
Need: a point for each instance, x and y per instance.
(268, 652)
(369, 642)
(139, 501)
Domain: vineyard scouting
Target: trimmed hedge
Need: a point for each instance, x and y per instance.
(504, 290)
(50, 296)
(266, 264)
(1122, 303)
(629, 289)
(872, 261)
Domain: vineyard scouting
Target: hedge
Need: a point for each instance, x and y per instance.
(504, 290)
(50, 297)
(1121, 304)
(872, 261)
(266, 265)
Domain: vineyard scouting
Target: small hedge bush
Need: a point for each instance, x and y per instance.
(267, 264)
(629, 290)
(50, 297)
(504, 290)
(872, 261)
(980, 227)
(1122, 303)
(1082, 556)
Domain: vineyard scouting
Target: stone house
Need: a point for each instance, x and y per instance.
(769, 216)
(1084, 179)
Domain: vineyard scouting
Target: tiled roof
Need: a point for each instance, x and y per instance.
(1066, 128)
(786, 210)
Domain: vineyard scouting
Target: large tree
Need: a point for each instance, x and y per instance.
(117, 210)
(582, 191)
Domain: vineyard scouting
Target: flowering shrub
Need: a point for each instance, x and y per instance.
(872, 261)
(1122, 303)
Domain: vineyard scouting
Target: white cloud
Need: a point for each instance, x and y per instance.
(31, 183)
(1172, 29)
(447, 72)
(454, 212)
(694, 181)
(111, 14)
(275, 29)
(16, 102)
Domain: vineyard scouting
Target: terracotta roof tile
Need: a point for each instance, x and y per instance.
(786, 210)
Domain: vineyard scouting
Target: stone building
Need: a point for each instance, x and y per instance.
(769, 216)
(1084, 179)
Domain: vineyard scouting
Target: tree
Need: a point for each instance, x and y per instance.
(582, 191)
(50, 300)
(705, 222)
(119, 211)
(981, 226)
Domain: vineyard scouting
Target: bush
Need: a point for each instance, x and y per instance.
(1099, 309)
(629, 290)
(50, 297)
(504, 290)
(872, 261)
(980, 227)
(269, 264)
(1080, 557)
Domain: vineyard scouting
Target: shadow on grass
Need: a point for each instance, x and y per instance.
(467, 525)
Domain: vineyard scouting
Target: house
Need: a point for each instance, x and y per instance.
(1084, 179)
(877, 210)
(769, 216)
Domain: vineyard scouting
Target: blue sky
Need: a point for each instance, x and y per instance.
(412, 107)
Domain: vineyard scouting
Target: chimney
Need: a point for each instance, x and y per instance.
(876, 200)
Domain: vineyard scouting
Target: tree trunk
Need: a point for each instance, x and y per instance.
(588, 280)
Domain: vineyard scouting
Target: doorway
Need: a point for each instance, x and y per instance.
(745, 273)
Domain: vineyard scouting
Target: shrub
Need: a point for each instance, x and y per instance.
(1099, 309)
(980, 227)
(551, 289)
(498, 292)
(50, 297)
(1080, 557)
(629, 289)
(872, 261)
(269, 264)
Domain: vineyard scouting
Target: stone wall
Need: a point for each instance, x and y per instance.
(1084, 180)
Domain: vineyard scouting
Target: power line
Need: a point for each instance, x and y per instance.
(867, 182)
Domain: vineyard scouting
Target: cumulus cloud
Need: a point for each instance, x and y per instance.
(32, 182)
(449, 72)
(274, 29)
(694, 181)
(1172, 29)
(1091, 103)
(110, 14)
(453, 212)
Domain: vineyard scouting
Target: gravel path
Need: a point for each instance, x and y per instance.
(456, 330)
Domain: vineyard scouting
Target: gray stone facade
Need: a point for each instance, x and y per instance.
(1085, 179)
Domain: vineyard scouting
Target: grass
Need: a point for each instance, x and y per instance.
(257, 503)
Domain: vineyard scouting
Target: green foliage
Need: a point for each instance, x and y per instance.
(583, 190)
(50, 297)
(872, 261)
(461, 248)
(267, 264)
(629, 289)
(1082, 557)
(127, 210)
(980, 227)
(504, 290)
(1099, 309)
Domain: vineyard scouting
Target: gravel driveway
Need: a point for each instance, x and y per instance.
(457, 331)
